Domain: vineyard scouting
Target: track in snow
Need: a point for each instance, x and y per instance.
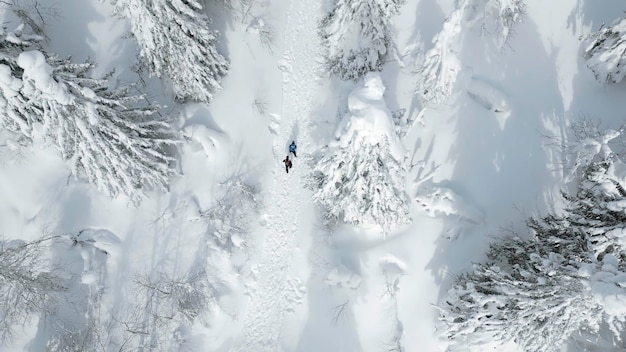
(276, 291)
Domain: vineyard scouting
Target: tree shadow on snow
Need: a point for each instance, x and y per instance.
(75, 38)
(590, 97)
(594, 13)
(499, 162)
(429, 20)
(336, 260)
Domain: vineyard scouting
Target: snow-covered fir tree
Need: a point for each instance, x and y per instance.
(112, 137)
(357, 36)
(599, 209)
(605, 52)
(529, 291)
(437, 75)
(176, 43)
(360, 178)
(569, 276)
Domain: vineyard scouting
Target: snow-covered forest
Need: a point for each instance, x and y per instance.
(459, 182)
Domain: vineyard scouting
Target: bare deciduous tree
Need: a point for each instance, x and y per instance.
(27, 283)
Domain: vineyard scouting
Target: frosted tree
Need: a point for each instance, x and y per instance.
(176, 43)
(27, 283)
(605, 52)
(15, 107)
(567, 278)
(437, 75)
(357, 36)
(529, 291)
(164, 307)
(112, 137)
(599, 209)
(497, 18)
(360, 177)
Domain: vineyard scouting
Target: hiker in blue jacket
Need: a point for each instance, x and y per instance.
(292, 148)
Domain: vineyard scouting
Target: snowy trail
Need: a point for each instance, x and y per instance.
(277, 291)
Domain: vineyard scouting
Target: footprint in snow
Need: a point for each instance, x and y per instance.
(294, 294)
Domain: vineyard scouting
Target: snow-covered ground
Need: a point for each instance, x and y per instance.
(480, 165)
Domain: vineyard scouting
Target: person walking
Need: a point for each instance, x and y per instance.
(288, 164)
(292, 148)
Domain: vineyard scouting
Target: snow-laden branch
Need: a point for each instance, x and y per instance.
(570, 276)
(175, 42)
(438, 74)
(357, 36)
(109, 136)
(605, 52)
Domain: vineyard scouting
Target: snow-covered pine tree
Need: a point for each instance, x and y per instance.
(438, 74)
(110, 136)
(359, 179)
(605, 52)
(569, 276)
(15, 108)
(357, 36)
(529, 291)
(362, 185)
(599, 209)
(175, 42)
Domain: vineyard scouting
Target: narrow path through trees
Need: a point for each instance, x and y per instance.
(276, 291)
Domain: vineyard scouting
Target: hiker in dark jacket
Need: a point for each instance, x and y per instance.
(292, 148)
(288, 164)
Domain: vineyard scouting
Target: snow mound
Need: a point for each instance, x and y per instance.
(204, 138)
(101, 239)
(607, 290)
(438, 200)
(37, 69)
(487, 95)
(274, 124)
(369, 119)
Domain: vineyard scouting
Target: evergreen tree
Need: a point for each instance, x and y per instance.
(529, 291)
(605, 52)
(360, 177)
(357, 36)
(107, 135)
(175, 43)
(362, 185)
(437, 76)
(568, 277)
(599, 209)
